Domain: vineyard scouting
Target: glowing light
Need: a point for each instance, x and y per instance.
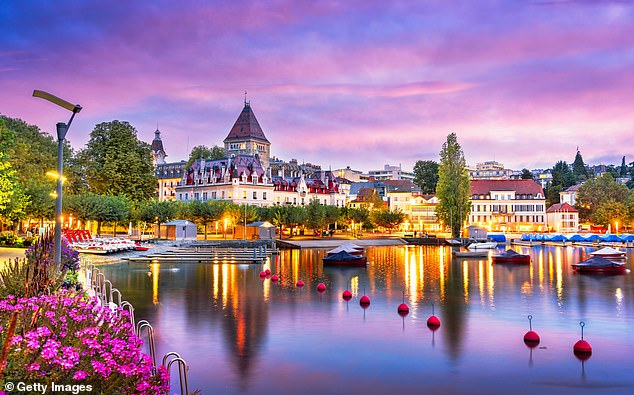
(155, 269)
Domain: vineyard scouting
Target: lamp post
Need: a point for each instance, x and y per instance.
(62, 129)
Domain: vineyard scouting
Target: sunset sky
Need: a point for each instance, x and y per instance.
(350, 83)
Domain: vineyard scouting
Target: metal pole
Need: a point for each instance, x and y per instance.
(245, 221)
(62, 129)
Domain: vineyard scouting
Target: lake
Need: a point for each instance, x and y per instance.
(241, 334)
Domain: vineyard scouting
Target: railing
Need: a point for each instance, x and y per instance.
(108, 296)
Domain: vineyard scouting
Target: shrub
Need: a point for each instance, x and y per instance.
(7, 239)
(72, 341)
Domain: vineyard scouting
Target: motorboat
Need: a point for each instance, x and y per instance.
(510, 256)
(599, 265)
(609, 253)
(344, 259)
(482, 245)
(471, 254)
(348, 247)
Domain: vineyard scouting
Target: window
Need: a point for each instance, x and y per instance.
(263, 195)
(204, 195)
(213, 195)
(196, 196)
(255, 195)
(185, 196)
(244, 194)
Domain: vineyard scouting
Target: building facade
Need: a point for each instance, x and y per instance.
(248, 175)
(168, 174)
(390, 173)
(490, 170)
(562, 218)
(569, 195)
(508, 205)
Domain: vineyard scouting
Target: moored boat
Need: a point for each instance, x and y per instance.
(482, 245)
(343, 258)
(348, 247)
(599, 265)
(609, 253)
(471, 254)
(510, 256)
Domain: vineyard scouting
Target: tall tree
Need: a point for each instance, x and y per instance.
(602, 200)
(315, 216)
(116, 162)
(426, 175)
(453, 186)
(13, 200)
(526, 174)
(623, 169)
(205, 213)
(579, 168)
(156, 212)
(206, 153)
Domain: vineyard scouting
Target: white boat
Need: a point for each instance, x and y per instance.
(482, 246)
(609, 253)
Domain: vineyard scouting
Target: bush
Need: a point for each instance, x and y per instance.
(8, 239)
(73, 341)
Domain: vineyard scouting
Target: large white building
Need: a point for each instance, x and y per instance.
(490, 170)
(390, 173)
(248, 175)
(508, 205)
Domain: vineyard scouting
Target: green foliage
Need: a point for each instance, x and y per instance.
(315, 216)
(204, 213)
(8, 239)
(579, 169)
(116, 162)
(13, 277)
(526, 174)
(388, 219)
(603, 201)
(453, 186)
(426, 175)
(204, 152)
(624, 170)
(563, 178)
(153, 211)
(8, 175)
(100, 208)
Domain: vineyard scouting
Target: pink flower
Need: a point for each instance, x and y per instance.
(33, 366)
(80, 375)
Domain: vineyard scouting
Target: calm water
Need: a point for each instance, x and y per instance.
(244, 335)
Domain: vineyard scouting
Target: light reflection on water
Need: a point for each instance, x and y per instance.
(242, 334)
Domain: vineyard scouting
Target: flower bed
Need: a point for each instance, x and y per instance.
(67, 339)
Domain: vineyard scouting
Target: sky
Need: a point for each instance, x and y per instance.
(336, 83)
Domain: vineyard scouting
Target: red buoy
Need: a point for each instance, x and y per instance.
(262, 274)
(582, 348)
(267, 271)
(531, 338)
(347, 295)
(402, 308)
(364, 301)
(321, 287)
(300, 283)
(274, 278)
(433, 322)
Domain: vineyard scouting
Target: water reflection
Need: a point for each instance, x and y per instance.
(240, 332)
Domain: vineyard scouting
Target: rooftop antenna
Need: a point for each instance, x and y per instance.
(245, 97)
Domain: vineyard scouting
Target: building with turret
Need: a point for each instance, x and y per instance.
(167, 174)
(248, 175)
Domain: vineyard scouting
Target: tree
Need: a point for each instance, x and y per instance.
(100, 208)
(331, 215)
(526, 174)
(563, 178)
(624, 169)
(602, 200)
(13, 200)
(315, 218)
(426, 175)
(116, 162)
(153, 211)
(202, 152)
(579, 168)
(453, 186)
(388, 219)
(205, 213)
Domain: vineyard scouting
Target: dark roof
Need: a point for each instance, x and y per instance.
(157, 143)
(573, 188)
(246, 127)
(484, 187)
(561, 207)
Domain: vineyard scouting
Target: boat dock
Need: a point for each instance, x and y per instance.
(201, 254)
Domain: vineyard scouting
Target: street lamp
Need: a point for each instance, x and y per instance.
(62, 129)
